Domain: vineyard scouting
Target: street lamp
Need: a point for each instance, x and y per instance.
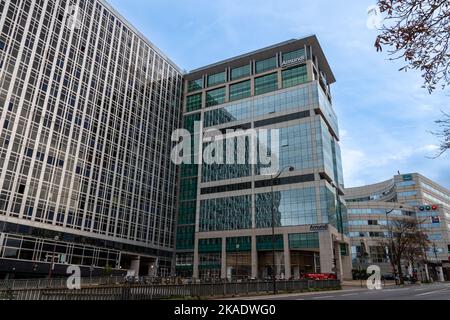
(236, 268)
(391, 240)
(290, 168)
(437, 264)
(53, 258)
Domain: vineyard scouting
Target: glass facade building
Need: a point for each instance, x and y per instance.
(281, 93)
(407, 196)
(87, 108)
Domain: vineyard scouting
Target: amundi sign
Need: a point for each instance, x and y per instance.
(293, 62)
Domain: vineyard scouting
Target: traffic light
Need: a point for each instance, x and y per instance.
(428, 208)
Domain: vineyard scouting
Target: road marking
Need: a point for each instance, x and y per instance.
(350, 294)
(325, 297)
(427, 293)
(420, 289)
(299, 299)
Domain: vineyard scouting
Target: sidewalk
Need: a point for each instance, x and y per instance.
(348, 286)
(357, 283)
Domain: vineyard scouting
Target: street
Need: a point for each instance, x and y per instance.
(437, 291)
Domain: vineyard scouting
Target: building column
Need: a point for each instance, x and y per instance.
(195, 273)
(287, 257)
(338, 257)
(223, 270)
(326, 252)
(135, 265)
(347, 266)
(440, 274)
(254, 258)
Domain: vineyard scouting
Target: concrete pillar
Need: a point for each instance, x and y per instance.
(338, 257)
(254, 258)
(195, 273)
(326, 252)
(280, 80)
(440, 274)
(287, 257)
(223, 271)
(135, 265)
(347, 267)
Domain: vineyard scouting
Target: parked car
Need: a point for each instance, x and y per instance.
(388, 276)
(320, 276)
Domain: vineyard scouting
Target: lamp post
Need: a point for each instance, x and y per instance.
(391, 241)
(53, 258)
(437, 264)
(273, 226)
(236, 265)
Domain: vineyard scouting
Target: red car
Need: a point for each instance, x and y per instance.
(320, 276)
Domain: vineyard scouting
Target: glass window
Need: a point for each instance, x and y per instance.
(195, 85)
(240, 72)
(217, 78)
(239, 244)
(215, 97)
(232, 213)
(194, 102)
(289, 56)
(266, 65)
(210, 245)
(266, 83)
(299, 98)
(266, 242)
(304, 241)
(295, 76)
(291, 208)
(240, 90)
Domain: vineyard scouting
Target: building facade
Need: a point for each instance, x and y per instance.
(88, 106)
(410, 196)
(227, 210)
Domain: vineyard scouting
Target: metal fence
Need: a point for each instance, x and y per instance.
(150, 292)
(56, 282)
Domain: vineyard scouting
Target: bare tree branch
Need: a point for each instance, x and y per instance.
(418, 31)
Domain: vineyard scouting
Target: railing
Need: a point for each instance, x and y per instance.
(56, 283)
(150, 292)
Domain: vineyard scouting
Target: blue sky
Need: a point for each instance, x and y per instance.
(385, 116)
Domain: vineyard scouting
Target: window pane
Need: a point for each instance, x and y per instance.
(240, 90)
(215, 97)
(294, 55)
(216, 79)
(295, 76)
(266, 65)
(194, 102)
(194, 85)
(240, 72)
(266, 83)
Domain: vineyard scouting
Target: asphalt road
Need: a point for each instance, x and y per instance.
(437, 291)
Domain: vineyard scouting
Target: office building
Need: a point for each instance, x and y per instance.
(225, 214)
(88, 106)
(407, 196)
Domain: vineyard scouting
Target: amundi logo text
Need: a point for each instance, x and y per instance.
(293, 61)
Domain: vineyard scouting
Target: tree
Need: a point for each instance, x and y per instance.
(418, 245)
(443, 134)
(404, 240)
(418, 31)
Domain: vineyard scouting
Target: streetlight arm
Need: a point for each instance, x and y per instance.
(279, 173)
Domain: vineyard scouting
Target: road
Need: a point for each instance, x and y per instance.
(437, 291)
